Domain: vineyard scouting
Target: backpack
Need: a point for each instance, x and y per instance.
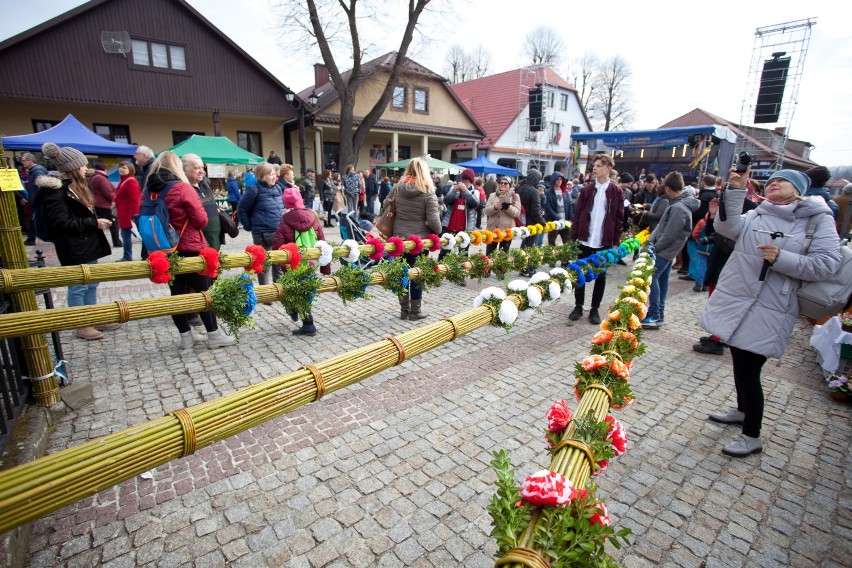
(154, 226)
(306, 239)
(823, 298)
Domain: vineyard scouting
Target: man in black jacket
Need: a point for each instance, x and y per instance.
(531, 204)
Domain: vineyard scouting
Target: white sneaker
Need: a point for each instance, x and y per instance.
(189, 338)
(732, 417)
(743, 446)
(219, 338)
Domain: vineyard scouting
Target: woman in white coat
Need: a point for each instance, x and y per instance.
(755, 318)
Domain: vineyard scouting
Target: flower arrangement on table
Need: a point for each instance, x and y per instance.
(846, 321)
(233, 301)
(395, 276)
(300, 286)
(839, 387)
(353, 283)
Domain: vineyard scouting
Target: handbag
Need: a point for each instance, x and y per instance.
(229, 227)
(384, 224)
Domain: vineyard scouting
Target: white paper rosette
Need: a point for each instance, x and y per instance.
(478, 301)
(508, 312)
(554, 290)
(354, 251)
(522, 232)
(451, 241)
(518, 285)
(493, 292)
(539, 277)
(534, 296)
(636, 273)
(568, 287)
(325, 253)
(560, 224)
(465, 239)
(526, 314)
(558, 271)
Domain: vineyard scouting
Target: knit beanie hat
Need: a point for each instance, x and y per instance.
(468, 174)
(819, 176)
(65, 159)
(293, 199)
(625, 178)
(799, 180)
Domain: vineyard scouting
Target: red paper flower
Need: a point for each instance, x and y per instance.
(258, 258)
(436, 268)
(294, 258)
(418, 244)
(399, 246)
(558, 417)
(601, 515)
(616, 435)
(378, 245)
(160, 265)
(593, 362)
(211, 261)
(547, 488)
(436, 242)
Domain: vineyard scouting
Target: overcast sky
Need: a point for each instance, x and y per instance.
(683, 54)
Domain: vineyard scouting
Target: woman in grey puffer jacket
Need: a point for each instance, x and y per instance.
(416, 214)
(756, 318)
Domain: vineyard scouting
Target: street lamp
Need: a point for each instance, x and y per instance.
(300, 106)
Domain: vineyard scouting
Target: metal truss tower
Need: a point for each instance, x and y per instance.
(774, 76)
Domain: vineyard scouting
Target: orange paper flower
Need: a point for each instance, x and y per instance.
(619, 369)
(602, 337)
(633, 322)
(593, 362)
(605, 325)
(475, 238)
(614, 315)
(487, 237)
(508, 234)
(498, 235)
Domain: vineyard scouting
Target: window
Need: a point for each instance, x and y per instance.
(555, 132)
(158, 55)
(40, 125)
(249, 141)
(398, 101)
(115, 132)
(563, 101)
(404, 152)
(421, 100)
(179, 136)
(550, 98)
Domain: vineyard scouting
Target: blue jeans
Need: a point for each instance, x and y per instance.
(659, 289)
(127, 241)
(83, 294)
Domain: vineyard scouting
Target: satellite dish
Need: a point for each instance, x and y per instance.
(116, 42)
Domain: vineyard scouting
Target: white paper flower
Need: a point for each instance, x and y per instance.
(526, 314)
(636, 274)
(560, 224)
(568, 287)
(354, 251)
(522, 232)
(493, 292)
(539, 277)
(554, 290)
(478, 301)
(451, 241)
(508, 312)
(465, 239)
(518, 285)
(558, 271)
(534, 296)
(325, 253)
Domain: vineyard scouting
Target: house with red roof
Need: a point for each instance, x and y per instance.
(501, 105)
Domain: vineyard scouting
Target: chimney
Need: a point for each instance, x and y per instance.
(320, 74)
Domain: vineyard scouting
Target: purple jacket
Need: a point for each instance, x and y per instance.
(613, 220)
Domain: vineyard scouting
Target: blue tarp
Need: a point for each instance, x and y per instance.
(69, 132)
(483, 165)
(660, 138)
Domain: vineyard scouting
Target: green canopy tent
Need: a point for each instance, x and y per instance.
(215, 150)
(433, 163)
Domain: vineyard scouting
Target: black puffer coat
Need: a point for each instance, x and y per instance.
(73, 226)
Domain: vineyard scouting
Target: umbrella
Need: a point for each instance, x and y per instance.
(433, 163)
(483, 165)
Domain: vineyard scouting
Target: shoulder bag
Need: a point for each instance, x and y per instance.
(384, 224)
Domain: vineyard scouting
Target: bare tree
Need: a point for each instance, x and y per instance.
(543, 46)
(337, 34)
(581, 73)
(462, 66)
(611, 102)
(480, 61)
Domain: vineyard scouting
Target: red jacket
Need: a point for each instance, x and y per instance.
(185, 208)
(103, 191)
(613, 220)
(298, 220)
(127, 200)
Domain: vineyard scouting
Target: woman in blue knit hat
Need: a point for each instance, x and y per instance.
(756, 317)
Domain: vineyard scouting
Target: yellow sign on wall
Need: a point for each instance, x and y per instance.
(10, 180)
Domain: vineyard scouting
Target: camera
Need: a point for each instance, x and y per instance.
(743, 162)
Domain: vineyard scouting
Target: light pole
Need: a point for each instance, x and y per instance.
(299, 104)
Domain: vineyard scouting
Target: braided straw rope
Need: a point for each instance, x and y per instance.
(87, 274)
(318, 379)
(8, 283)
(523, 556)
(455, 327)
(577, 445)
(208, 301)
(188, 429)
(123, 311)
(601, 387)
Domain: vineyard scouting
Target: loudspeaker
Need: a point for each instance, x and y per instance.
(536, 107)
(773, 79)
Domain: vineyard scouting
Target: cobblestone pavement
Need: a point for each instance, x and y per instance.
(394, 471)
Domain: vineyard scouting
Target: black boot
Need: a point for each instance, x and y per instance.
(415, 314)
(404, 307)
(308, 328)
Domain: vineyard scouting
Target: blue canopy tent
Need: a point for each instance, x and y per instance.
(483, 165)
(69, 132)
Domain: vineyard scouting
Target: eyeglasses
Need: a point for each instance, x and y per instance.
(504, 183)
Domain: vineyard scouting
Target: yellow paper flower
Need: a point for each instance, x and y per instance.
(642, 295)
(633, 322)
(638, 282)
(614, 315)
(628, 289)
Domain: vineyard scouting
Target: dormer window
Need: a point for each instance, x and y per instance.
(158, 55)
